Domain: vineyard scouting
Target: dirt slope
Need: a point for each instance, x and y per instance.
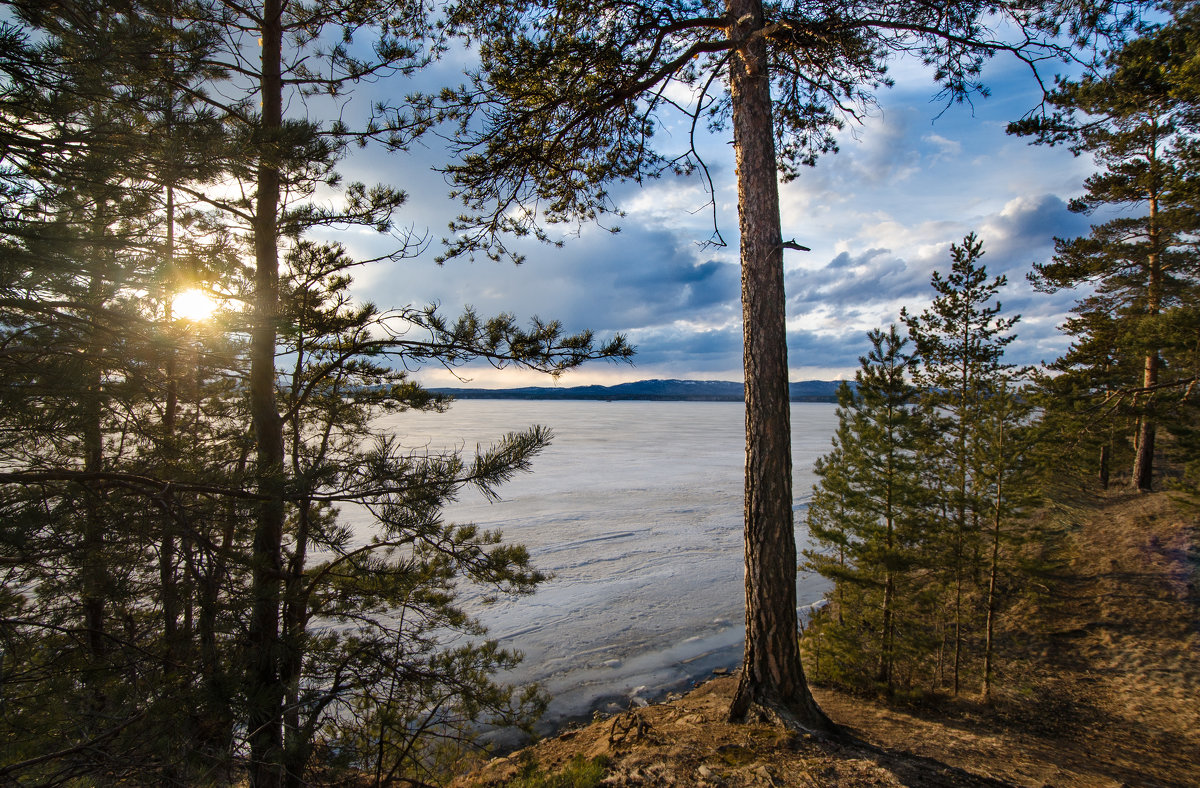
(1100, 687)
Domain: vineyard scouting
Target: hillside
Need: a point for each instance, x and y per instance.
(666, 390)
(1100, 686)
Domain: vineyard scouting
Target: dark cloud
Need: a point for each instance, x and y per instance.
(637, 279)
(845, 260)
(855, 285)
(707, 350)
(809, 349)
(858, 281)
(1021, 235)
(880, 217)
(676, 279)
(719, 350)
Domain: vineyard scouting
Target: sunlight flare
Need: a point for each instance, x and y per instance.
(194, 305)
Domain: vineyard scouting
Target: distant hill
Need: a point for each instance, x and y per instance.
(665, 390)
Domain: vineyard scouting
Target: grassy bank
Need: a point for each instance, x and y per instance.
(1099, 686)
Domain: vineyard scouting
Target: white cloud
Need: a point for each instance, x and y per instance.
(946, 148)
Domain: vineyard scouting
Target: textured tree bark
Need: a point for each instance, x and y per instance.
(172, 653)
(993, 574)
(94, 580)
(1103, 474)
(772, 683)
(297, 744)
(887, 638)
(264, 688)
(96, 586)
(1143, 461)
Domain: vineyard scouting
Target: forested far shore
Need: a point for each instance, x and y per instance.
(651, 390)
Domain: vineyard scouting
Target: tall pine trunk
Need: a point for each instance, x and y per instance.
(265, 689)
(887, 638)
(173, 651)
(993, 573)
(1143, 461)
(94, 575)
(1103, 473)
(772, 680)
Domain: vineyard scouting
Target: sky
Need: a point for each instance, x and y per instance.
(879, 217)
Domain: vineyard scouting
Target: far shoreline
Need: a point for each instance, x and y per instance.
(646, 391)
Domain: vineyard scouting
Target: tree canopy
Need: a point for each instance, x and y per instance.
(1136, 322)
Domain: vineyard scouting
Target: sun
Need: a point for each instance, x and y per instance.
(193, 305)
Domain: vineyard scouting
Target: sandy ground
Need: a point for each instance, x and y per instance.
(1100, 687)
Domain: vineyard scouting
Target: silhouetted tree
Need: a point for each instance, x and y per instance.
(168, 489)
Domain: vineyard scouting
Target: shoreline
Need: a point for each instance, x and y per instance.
(645, 679)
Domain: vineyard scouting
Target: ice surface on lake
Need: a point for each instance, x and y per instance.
(636, 510)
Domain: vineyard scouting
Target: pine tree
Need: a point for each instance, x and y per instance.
(1138, 125)
(1081, 406)
(281, 160)
(960, 341)
(1006, 478)
(866, 512)
(83, 369)
(138, 500)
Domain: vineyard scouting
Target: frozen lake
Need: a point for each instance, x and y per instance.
(636, 510)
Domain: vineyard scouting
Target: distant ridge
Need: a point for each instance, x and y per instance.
(663, 390)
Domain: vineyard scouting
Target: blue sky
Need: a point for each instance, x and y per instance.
(879, 216)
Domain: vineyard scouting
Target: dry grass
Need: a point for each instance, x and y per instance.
(1101, 688)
